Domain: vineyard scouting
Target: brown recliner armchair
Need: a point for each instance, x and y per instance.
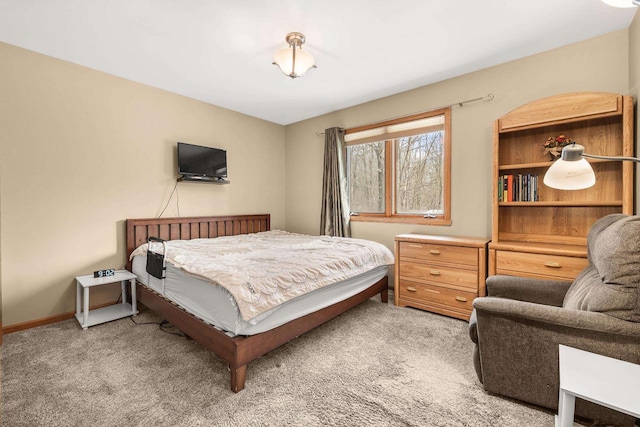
(518, 327)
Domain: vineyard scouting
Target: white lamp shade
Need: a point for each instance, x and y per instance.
(619, 3)
(283, 58)
(570, 175)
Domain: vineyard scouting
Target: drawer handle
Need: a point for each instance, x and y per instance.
(434, 252)
(434, 273)
(552, 264)
(461, 299)
(411, 245)
(411, 289)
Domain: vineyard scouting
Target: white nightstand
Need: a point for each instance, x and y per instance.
(88, 317)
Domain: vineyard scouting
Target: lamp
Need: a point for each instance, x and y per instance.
(292, 60)
(572, 171)
(622, 3)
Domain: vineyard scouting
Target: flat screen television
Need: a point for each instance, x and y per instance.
(195, 161)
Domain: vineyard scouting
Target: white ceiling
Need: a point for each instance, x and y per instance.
(220, 51)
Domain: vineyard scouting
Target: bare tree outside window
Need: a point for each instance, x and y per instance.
(366, 163)
(419, 173)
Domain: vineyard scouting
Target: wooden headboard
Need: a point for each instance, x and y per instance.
(139, 230)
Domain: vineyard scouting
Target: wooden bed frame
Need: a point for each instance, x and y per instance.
(240, 350)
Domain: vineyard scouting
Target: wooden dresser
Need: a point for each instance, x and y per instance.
(440, 273)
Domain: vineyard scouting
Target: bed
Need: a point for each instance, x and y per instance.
(238, 347)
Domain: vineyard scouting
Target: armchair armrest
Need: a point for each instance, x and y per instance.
(557, 317)
(473, 334)
(539, 291)
(473, 327)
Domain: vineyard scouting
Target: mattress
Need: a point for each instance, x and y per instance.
(216, 306)
(263, 270)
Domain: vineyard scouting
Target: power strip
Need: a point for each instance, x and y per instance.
(104, 273)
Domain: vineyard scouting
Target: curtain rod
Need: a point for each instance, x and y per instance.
(486, 98)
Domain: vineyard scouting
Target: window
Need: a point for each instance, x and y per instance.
(399, 171)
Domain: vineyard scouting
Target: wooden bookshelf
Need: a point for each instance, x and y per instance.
(552, 232)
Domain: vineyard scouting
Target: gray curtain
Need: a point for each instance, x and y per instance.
(335, 219)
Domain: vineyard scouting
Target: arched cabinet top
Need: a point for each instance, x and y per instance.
(563, 108)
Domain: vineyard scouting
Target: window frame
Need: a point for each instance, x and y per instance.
(391, 161)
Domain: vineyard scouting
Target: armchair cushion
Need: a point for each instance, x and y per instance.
(610, 284)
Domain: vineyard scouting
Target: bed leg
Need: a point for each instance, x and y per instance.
(384, 296)
(238, 374)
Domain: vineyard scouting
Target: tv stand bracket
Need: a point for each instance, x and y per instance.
(187, 178)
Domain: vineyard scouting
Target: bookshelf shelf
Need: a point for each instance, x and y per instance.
(584, 203)
(554, 228)
(544, 165)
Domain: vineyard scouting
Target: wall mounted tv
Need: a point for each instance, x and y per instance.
(198, 163)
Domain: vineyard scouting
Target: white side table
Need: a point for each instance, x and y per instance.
(603, 380)
(88, 317)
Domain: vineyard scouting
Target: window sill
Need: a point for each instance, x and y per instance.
(401, 219)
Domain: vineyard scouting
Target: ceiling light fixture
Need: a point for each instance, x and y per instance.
(292, 60)
(572, 171)
(622, 3)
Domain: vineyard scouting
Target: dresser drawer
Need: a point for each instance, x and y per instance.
(439, 253)
(429, 273)
(431, 294)
(556, 267)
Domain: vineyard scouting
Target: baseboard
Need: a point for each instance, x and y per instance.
(16, 327)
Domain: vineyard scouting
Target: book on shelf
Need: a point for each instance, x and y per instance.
(518, 188)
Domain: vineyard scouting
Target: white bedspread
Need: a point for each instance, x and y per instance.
(263, 270)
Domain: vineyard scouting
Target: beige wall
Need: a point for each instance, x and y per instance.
(599, 64)
(81, 151)
(0, 247)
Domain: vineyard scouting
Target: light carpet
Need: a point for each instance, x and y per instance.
(376, 365)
